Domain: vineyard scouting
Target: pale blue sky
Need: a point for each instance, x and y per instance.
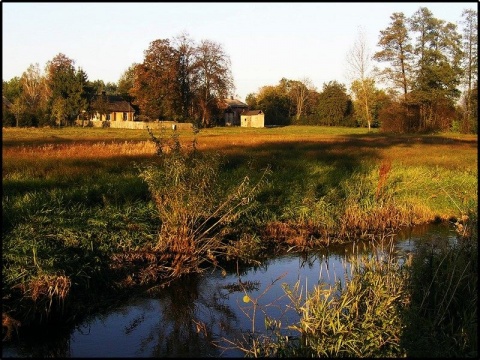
(265, 41)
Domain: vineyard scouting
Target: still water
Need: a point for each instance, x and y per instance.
(204, 316)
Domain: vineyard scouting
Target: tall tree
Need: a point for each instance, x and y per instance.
(470, 66)
(155, 80)
(66, 87)
(215, 80)
(359, 59)
(438, 71)
(275, 103)
(19, 109)
(299, 91)
(396, 48)
(187, 75)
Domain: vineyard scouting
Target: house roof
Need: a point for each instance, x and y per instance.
(234, 103)
(116, 103)
(252, 112)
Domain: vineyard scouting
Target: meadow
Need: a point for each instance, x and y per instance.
(81, 208)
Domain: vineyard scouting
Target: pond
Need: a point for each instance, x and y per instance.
(202, 316)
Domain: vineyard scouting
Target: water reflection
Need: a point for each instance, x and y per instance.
(191, 318)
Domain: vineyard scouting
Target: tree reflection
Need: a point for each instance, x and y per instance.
(194, 313)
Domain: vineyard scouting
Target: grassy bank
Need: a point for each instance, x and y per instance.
(77, 215)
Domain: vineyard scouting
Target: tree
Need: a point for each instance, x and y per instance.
(154, 87)
(299, 91)
(11, 90)
(365, 93)
(470, 66)
(359, 62)
(276, 104)
(215, 80)
(19, 109)
(251, 101)
(126, 82)
(397, 50)
(438, 72)
(35, 94)
(100, 105)
(334, 104)
(66, 87)
(187, 76)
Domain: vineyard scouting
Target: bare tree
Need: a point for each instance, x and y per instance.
(299, 92)
(359, 61)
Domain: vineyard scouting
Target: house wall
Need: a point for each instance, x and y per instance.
(229, 119)
(258, 120)
(233, 118)
(136, 124)
(253, 120)
(114, 116)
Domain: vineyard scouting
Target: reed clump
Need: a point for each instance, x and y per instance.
(196, 211)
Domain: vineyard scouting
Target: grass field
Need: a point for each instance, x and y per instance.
(76, 214)
(439, 171)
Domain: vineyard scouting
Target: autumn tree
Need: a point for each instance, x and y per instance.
(100, 105)
(155, 81)
(35, 93)
(251, 101)
(126, 83)
(187, 76)
(214, 76)
(299, 91)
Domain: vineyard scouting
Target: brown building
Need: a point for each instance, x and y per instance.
(232, 110)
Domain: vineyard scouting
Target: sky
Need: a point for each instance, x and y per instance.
(265, 41)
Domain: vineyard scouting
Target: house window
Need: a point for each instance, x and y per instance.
(107, 117)
(124, 116)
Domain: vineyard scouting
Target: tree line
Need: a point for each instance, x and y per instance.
(425, 78)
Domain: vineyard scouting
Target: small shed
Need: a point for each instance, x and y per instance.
(252, 118)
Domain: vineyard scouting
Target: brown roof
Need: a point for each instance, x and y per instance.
(117, 104)
(234, 103)
(252, 112)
